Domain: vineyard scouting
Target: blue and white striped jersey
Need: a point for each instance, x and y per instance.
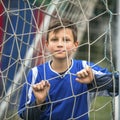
(67, 99)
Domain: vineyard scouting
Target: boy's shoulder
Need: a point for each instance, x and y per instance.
(39, 67)
(78, 61)
(82, 63)
(42, 65)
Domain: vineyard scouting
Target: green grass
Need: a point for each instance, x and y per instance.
(101, 109)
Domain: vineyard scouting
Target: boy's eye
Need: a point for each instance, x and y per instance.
(66, 39)
(54, 39)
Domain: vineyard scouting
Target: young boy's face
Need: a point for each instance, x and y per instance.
(61, 43)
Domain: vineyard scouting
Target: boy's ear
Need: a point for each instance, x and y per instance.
(76, 45)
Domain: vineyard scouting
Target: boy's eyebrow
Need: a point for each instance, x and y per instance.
(54, 37)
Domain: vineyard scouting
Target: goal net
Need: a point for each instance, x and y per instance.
(23, 25)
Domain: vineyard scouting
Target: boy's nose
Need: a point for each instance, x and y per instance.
(60, 43)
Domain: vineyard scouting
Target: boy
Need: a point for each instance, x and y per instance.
(58, 89)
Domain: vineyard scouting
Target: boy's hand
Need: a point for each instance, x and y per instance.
(85, 75)
(40, 91)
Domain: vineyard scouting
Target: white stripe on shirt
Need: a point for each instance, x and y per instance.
(34, 76)
(84, 63)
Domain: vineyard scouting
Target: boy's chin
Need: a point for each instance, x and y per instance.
(60, 57)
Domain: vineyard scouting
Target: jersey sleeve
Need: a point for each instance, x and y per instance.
(103, 79)
(27, 106)
(109, 82)
(24, 95)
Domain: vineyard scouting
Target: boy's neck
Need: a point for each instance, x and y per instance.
(60, 66)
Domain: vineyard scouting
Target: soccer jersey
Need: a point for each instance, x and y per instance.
(67, 98)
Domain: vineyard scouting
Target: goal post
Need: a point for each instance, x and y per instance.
(117, 99)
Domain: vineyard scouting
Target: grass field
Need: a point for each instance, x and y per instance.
(101, 109)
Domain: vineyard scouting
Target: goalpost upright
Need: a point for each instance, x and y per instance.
(117, 107)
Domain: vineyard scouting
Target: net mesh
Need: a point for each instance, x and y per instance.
(22, 30)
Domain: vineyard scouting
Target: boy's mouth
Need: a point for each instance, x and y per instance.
(60, 51)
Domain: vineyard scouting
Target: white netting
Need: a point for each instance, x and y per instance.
(24, 23)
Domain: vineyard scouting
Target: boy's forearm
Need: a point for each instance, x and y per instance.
(33, 112)
(105, 82)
